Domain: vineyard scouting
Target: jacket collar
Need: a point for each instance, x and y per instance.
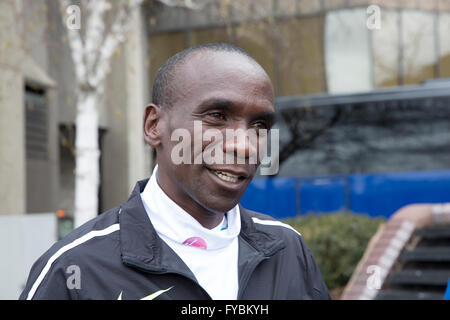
(142, 247)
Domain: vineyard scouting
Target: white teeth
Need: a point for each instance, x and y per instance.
(226, 176)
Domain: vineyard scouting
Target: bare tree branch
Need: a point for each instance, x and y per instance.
(115, 36)
(95, 28)
(75, 43)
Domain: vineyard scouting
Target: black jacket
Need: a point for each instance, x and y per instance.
(118, 255)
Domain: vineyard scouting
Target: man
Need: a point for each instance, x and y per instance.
(182, 233)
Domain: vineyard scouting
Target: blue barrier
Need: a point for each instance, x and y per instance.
(447, 291)
(277, 197)
(324, 194)
(383, 194)
(374, 194)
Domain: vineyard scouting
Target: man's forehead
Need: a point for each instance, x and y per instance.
(217, 64)
(220, 69)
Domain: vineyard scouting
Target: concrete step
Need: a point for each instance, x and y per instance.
(419, 277)
(393, 294)
(425, 254)
(438, 232)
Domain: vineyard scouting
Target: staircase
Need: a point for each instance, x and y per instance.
(422, 271)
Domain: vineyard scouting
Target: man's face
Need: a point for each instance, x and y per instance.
(223, 91)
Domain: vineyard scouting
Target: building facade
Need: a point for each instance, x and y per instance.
(307, 47)
(38, 110)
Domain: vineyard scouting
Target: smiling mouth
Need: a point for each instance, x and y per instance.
(227, 176)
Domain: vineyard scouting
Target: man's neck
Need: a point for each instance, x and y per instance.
(207, 218)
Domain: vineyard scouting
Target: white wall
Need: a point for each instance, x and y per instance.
(347, 51)
(12, 129)
(23, 239)
(137, 98)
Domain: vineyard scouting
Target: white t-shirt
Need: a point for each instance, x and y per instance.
(216, 266)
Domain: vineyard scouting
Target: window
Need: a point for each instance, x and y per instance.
(36, 123)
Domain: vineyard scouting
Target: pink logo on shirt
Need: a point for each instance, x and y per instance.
(195, 242)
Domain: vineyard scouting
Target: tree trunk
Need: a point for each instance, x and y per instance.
(87, 157)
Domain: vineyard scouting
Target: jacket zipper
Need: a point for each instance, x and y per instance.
(250, 270)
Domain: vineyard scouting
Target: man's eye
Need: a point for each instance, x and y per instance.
(261, 125)
(218, 115)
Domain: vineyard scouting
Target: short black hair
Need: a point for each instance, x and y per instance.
(162, 91)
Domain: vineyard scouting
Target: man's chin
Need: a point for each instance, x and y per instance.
(219, 208)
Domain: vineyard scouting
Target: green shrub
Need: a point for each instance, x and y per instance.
(337, 241)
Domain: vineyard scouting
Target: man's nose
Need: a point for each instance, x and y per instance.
(241, 143)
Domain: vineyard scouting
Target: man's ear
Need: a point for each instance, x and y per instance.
(152, 125)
